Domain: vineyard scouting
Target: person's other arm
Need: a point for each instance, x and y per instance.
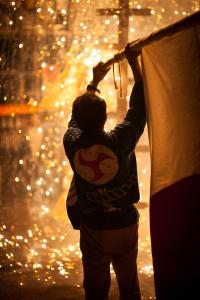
(99, 72)
(73, 131)
(129, 131)
(137, 95)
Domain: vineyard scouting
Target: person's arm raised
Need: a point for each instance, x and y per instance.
(99, 72)
(137, 94)
(132, 58)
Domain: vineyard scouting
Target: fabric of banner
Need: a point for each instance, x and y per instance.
(172, 90)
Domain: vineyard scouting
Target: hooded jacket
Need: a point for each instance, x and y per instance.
(105, 169)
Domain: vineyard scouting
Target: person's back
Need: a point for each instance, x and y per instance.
(105, 174)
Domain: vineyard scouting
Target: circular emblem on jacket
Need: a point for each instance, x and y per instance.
(96, 164)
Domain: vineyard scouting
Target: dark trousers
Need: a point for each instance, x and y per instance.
(100, 249)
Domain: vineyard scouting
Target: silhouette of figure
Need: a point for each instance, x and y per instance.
(106, 186)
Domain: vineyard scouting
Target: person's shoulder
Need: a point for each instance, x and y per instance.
(71, 135)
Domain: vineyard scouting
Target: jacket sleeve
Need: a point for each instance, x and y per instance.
(72, 123)
(127, 133)
(70, 136)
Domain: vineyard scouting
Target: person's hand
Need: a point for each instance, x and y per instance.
(131, 55)
(99, 72)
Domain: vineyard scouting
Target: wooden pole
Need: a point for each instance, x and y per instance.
(189, 21)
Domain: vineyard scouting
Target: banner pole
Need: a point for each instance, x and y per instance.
(186, 22)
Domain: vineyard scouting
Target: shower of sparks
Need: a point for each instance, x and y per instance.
(45, 253)
(50, 253)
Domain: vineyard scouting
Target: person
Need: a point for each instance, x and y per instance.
(105, 177)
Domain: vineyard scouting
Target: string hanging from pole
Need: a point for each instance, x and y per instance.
(120, 78)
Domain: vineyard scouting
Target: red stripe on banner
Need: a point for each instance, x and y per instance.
(175, 237)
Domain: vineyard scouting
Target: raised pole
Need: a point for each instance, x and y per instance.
(189, 21)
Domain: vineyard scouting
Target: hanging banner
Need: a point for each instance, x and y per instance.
(172, 90)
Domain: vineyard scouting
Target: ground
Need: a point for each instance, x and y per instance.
(42, 260)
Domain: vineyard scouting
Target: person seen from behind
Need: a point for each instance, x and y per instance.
(105, 178)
